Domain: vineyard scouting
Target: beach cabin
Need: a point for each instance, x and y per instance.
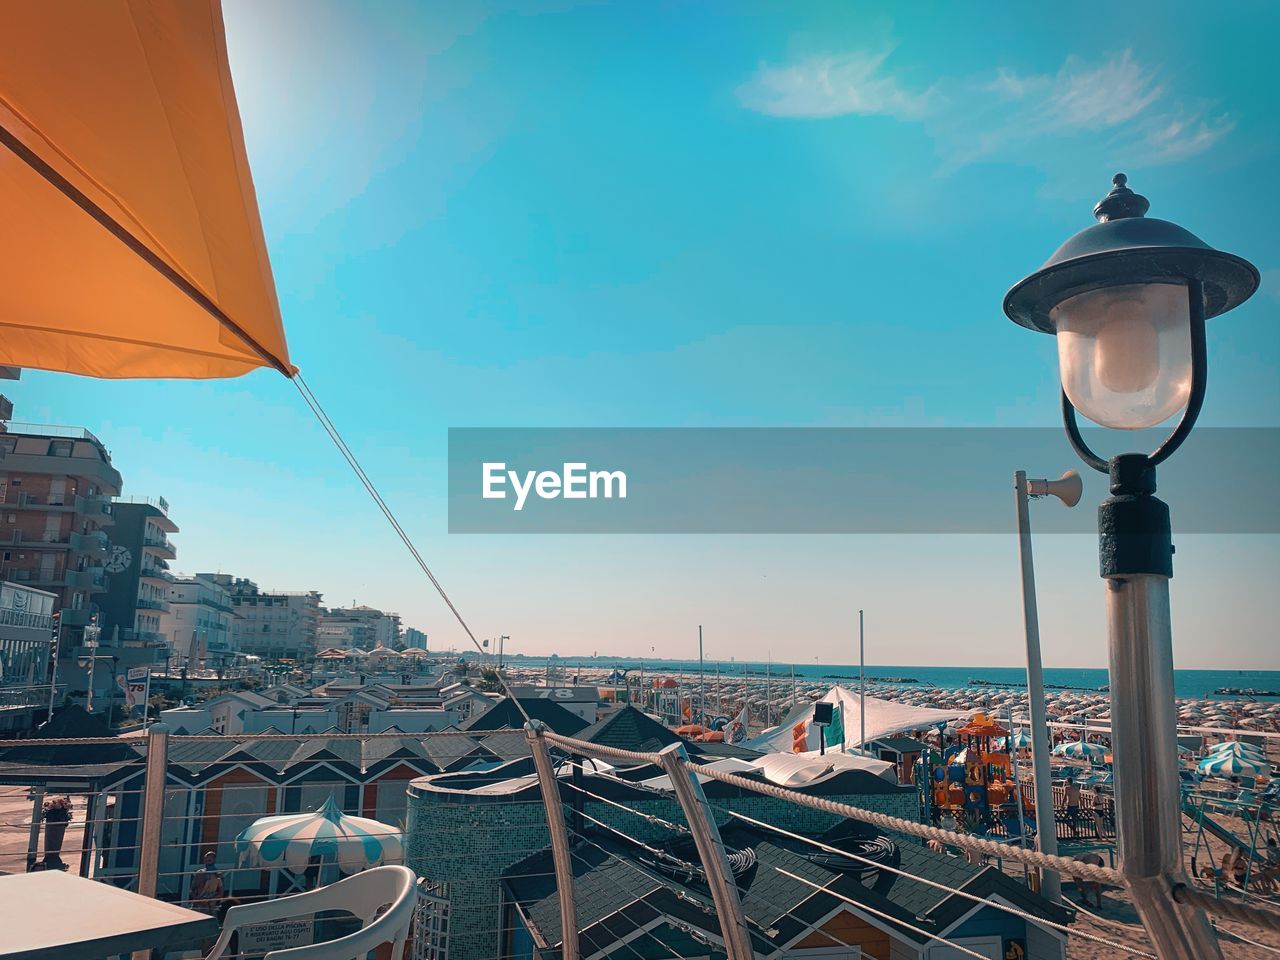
(903, 752)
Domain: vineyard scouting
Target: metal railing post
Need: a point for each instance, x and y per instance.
(153, 808)
(560, 854)
(706, 836)
(37, 814)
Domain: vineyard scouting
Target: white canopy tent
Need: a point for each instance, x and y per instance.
(799, 734)
(789, 769)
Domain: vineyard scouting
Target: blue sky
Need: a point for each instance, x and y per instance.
(700, 214)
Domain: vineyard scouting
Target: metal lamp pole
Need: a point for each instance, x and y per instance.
(53, 666)
(1133, 294)
(1068, 490)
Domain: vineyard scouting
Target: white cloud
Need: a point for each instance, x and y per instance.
(1176, 137)
(1010, 86)
(1116, 106)
(1103, 96)
(832, 86)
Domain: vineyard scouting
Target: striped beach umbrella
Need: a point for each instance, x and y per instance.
(1239, 748)
(296, 840)
(1230, 764)
(1080, 750)
(1019, 740)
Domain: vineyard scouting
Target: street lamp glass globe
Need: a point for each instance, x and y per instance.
(1124, 353)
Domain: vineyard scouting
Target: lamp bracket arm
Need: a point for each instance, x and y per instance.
(1199, 377)
(1077, 440)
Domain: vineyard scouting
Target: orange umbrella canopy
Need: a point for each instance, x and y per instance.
(690, 730)
(982, 726)
(131, 244)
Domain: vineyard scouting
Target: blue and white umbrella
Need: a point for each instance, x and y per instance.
(297, 840)
(1019, 740)
(1080, 750)
(1228, 763)
(1239, 748)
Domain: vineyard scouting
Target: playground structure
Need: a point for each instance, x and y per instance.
(975, 784)
(1251, 860)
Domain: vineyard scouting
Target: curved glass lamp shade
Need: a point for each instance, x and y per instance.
(1124, 353)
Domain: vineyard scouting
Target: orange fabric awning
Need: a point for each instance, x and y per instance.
(130, 242)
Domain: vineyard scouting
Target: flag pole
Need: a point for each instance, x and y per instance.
(862, 683)
(702, 689)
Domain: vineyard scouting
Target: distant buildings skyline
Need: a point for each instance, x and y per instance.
(104, 563)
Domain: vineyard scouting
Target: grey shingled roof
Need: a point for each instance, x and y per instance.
(605, 883)
(629, 729)
(504, 715)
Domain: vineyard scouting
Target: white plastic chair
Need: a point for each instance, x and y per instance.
(362, 894)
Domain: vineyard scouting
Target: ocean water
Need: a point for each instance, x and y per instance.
(1187, 683)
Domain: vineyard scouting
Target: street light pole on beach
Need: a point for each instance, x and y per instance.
(1127, 299)
(1067, 489)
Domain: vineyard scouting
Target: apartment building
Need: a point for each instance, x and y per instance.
(414, 639)
(199, 625)
(271, 624)
(57, 485)
(358, 627)
(26, 639)
(138, 565)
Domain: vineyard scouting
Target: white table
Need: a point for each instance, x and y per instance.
(51, 915)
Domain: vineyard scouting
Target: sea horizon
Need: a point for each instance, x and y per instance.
(1191, 683)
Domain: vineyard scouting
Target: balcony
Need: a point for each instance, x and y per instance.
(155, 573)
(92, 580)
(53, 430)
(143, 638)
(92, 543)
(150, 603)
(95, 542)
(21, 500)
(97, 508)
(43, 542)
(158, 514)
(21, 618)
(160, 546)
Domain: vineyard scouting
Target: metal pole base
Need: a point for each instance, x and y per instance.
(1144, 747)
(1178, 932)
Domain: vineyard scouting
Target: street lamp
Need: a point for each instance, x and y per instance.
(1127, 299)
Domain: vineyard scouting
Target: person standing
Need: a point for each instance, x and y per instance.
(207, 887)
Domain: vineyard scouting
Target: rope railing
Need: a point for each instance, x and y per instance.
(1254, 916)
(883, 821)
(989, 848)
(942, 887)
(1231, 909)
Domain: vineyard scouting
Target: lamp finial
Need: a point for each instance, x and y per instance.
(1121, 202)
